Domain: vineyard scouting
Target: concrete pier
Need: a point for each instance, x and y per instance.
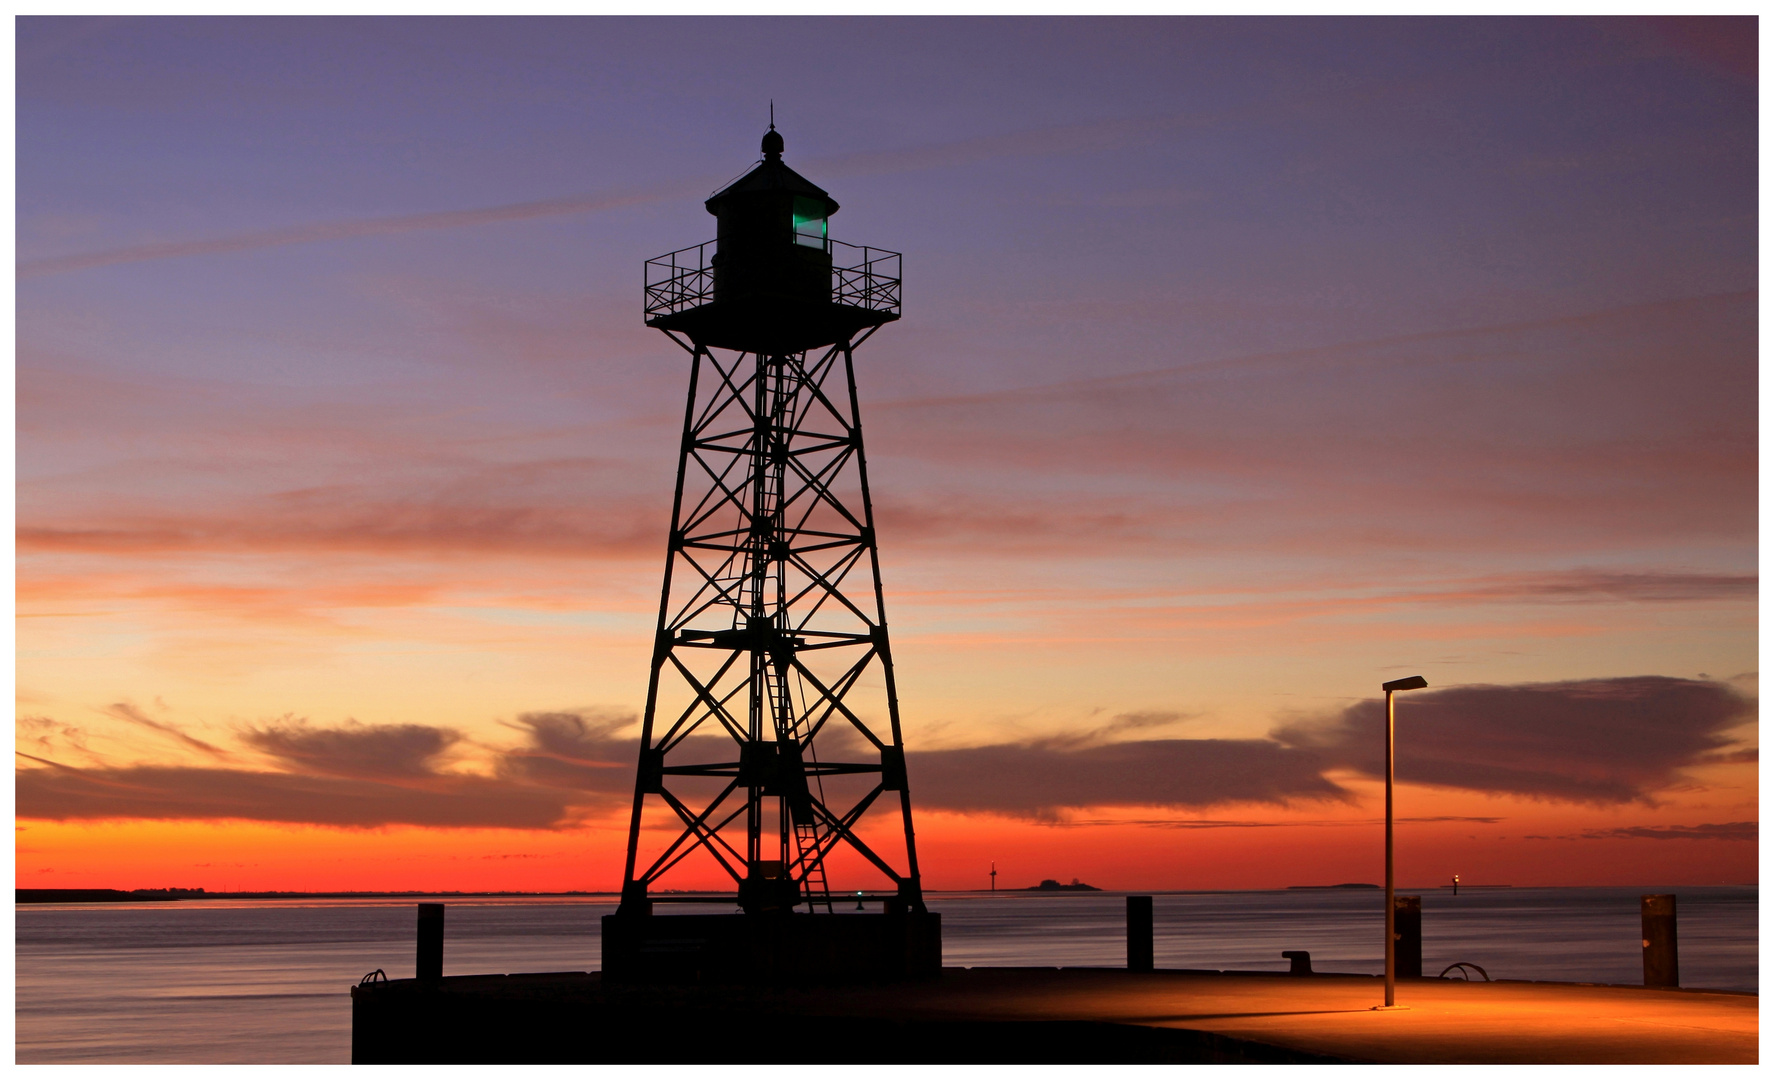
(1050, 1015)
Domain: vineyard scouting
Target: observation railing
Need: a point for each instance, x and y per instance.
(862, 277)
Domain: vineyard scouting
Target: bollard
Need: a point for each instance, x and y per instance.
(1139, 933)
(1407, 928)
(1299, 961)
(430, 941)
(1657, 917)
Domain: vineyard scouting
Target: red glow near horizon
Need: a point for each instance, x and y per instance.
(1234, 380)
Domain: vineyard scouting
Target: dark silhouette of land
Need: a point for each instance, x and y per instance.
(1414, 888)
(1050, 885)
(1345, 885)
(119, 896)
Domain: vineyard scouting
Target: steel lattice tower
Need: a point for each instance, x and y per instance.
(772, 722)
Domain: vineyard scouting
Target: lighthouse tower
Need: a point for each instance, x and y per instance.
(771, 753)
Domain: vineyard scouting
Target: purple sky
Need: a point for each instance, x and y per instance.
(1244, 362)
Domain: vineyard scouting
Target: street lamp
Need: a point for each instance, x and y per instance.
(1415, 682)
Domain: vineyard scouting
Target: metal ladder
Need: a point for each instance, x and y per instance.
(813, 883)
(808, 839)
(784, 398)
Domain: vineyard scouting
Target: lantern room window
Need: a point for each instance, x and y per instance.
(809, 222)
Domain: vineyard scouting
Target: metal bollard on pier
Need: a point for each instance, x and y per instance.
(1657, 918)
(1139, 933)
(431, 922)
(1407, 926)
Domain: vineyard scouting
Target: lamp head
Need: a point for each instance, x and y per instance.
(1414, 682)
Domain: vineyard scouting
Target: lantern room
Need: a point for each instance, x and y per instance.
(770, 233)
(773, 279)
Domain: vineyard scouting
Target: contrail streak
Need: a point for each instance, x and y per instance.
(1060, 139)
(1328, 353)
(1090, 136)
(342, 230)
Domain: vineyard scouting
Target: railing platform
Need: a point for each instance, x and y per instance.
(680, 296)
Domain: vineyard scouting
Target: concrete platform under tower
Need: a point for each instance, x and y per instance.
(786, 948)
(1046, 1016)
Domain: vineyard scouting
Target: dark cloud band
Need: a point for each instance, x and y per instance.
(175, 793)
(1598, 741)
(1593, 741)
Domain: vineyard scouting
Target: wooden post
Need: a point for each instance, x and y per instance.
(430, 964)
(1139, 933)
(1657, 917)
(1407, 921)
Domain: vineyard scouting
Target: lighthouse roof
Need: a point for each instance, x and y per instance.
(770, 176)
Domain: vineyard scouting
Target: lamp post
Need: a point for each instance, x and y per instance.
(1415, 682)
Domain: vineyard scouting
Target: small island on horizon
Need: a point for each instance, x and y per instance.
(1050, 885)
(1345, 885)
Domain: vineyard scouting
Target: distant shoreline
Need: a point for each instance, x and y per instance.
(1345, 885)
(1425, 888)
(136, 896)
(139, 896)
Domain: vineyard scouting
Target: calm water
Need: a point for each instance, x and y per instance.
(266, 981)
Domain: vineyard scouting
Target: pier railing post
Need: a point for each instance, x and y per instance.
(431, 922)
(1139, 933)
(1657, 917)
(1407, 927)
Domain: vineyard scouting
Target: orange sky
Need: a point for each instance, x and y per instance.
(1484, 840)
(1230, 385)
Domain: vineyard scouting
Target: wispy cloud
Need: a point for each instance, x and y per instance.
(1589, 586)
(340, 521)
(1251, 458)
(49, 735)
(1733, 830)
(132, 714)
(574, 750)
(1064, 139)
(1235, 823)
(352, 229)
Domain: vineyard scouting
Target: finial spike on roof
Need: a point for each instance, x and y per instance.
(772, 139)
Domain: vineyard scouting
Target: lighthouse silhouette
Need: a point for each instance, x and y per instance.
(771, 753)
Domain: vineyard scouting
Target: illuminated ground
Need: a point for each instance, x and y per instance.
(1446, 1022)
(1053, 1015)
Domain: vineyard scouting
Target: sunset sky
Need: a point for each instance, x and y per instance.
(1244, 365)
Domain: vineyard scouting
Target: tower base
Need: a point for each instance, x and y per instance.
(788, 948)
